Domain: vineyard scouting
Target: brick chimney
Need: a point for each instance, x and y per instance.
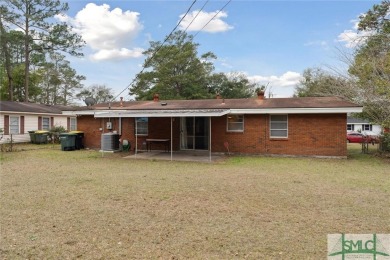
(218, 96)
(156, 97)
(260, 95)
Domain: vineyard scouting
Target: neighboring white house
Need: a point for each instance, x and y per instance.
(17, 118)
(359, 125)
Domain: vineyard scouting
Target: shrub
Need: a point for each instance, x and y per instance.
(55, 133)
(385, 142)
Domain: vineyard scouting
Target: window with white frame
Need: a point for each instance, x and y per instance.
(46, 123)
(14, 125)
(367, 127)
(142, 125)
(235, 123)
(73, 124)
(279, 126)
(350, 127)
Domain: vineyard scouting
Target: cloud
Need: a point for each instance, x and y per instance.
(108, 33)
(287, 79)
(316, 43)
(280, 86)
(352, 37)
(116, 54)
(202, 18)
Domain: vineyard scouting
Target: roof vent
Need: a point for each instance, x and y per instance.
(164, 103)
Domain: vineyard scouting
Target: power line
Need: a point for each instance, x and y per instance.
(166, 38)
(213, 18)
(201, 9)
(154, 53)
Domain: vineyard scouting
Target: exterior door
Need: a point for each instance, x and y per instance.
(194, 133)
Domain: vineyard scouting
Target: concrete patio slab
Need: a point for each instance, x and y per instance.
(191, 156)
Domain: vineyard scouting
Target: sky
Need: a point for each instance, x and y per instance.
(271, 42)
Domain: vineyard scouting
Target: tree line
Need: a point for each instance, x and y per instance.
(175, 70)
(33, 65)
(367, 79)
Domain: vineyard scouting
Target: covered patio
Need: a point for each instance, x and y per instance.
(186, 152)
(187, 156)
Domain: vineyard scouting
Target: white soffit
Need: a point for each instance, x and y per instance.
(211, 112)
(298, 110)
(164, 113)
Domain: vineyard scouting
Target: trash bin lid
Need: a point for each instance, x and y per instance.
(41, 132)
(66, 134)
(76, 132)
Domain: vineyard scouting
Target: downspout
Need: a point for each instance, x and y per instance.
(120, 125)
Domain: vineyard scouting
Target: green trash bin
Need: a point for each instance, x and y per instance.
(68, 141)
(32, 136)
(41, 136)
(79, 139)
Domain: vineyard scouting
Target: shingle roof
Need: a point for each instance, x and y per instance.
(10, 106)
(352, 120)
(250, 103)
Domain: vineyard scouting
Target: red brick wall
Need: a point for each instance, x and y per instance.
(158, 128)
(320, 134)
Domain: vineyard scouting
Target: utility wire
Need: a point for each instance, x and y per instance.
(172, 46)
(154, 53)
(201, 9)
(213, 18)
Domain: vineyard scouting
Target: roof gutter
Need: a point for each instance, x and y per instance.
(211, 112)
(32, 113)
(337, 110)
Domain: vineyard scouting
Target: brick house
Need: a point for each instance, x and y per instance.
(17, 118)
(312, 126)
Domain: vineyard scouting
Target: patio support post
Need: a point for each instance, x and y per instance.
(136, 137)
(210, 137)
(171, 140)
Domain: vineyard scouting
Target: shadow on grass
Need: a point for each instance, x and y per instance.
(355, 152)
(20, 147)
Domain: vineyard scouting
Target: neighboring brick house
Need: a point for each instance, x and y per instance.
(313, 126)
(17, 118)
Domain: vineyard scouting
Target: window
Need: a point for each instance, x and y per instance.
(46, 123)
(235, 123)
(73, 124)
(350, 127)
(367, 127)
(279, 126)
(142, 125)
(14, 125)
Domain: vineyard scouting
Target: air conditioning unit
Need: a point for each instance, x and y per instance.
(109, 125)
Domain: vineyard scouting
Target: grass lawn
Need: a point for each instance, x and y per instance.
(57, 205)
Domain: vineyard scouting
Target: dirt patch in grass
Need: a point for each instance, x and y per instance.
(78, 204)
